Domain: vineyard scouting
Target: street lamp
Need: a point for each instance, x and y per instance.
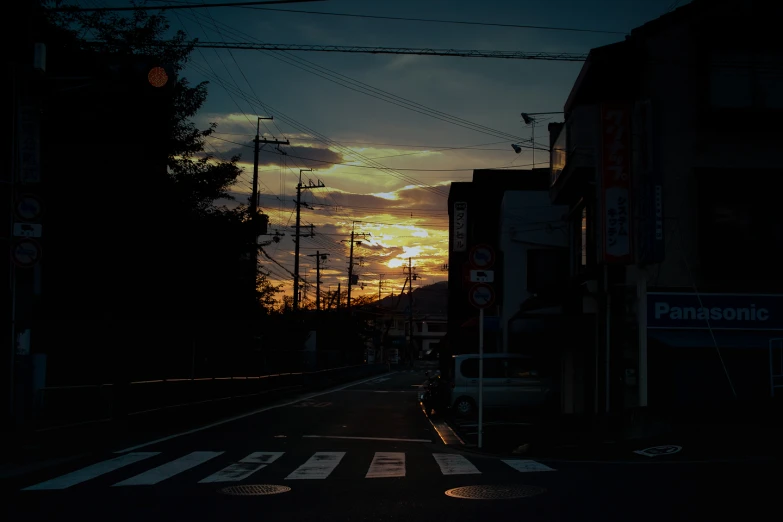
(529, 119)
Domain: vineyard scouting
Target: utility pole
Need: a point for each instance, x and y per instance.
(256, 150)
(318, 258)
(350, 261)
(411, 277)
(380, 286)
(254, 201)
(299, 189)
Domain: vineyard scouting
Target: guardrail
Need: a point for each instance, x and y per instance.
(60, 406)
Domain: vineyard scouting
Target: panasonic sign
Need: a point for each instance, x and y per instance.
(717, 311)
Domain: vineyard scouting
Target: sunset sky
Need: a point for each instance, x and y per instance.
(347, 131)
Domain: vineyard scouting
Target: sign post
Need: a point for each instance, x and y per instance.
(482, 296)
(481, 380)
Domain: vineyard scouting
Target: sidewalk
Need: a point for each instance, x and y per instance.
(556, 440)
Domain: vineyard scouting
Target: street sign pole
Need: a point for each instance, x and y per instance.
(481, 379)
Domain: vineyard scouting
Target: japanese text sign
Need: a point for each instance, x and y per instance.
(460, 239)
(616, 182)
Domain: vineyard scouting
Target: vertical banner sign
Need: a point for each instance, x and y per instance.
(650, 183)
(29, 144)
(616, 182)
(460, 243)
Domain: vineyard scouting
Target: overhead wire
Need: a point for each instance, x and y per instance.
(379, 93)
(374, 164)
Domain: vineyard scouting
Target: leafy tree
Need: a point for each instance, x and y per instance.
(196, 179)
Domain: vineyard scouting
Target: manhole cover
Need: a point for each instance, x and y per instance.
(255, 490)
(495, 492)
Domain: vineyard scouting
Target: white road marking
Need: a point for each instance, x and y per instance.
(93, 471)
(244, 468)
(525, 466)
(319, 466)
(168, 470)
(244, 415)
(451, 464)
(389, 439)
(378, 381)
(387, 464)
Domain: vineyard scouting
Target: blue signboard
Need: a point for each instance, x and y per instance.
(673, 310)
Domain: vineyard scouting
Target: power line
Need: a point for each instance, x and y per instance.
(396, 168)
(169, 7)
(327, 141)
(457, 53)
(436, 21)
(375, 92)
(313, 133)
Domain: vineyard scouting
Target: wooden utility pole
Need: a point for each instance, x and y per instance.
(256, 150)
(299, 189)
(353, 240)
(254, 217)
(411, 277)
(318, 258)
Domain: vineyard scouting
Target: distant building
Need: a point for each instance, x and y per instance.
(474, 218)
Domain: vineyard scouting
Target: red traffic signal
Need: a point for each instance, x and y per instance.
(140, 73)
(157, 76)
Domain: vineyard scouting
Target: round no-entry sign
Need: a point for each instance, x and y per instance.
(26, 252)
(481, 257)
(481, 295)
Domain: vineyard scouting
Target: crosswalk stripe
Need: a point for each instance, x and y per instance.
(319, 466)
(524, 466)
(451, 464)
(387, 464)
(93, 471)
(244, 468)
(168, 470)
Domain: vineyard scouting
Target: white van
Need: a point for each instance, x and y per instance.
(510, 381)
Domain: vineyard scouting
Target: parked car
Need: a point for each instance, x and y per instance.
(511, 381)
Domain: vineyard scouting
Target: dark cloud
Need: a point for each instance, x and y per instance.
(270, 155)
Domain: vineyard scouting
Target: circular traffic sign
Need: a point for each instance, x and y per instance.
(26, 252)
(482, 256)
(28, 207)
(481, 295)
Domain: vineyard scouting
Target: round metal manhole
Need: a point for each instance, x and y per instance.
(250, 490)
(495, 492)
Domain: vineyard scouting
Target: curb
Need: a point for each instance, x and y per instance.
(631, 459)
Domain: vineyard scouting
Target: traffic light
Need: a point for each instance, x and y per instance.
(141, 91)
(140, 74)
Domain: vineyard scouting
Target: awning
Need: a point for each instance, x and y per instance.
(723, 338)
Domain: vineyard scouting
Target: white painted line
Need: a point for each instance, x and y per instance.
(525, 466)
(451, 464)
(244, 415)
(93, 471)
(387, 464)
(378, 381)
(168, 470)
(244, 468)
(389, 439)
(317, 467)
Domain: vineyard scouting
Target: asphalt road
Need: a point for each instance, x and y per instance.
(367, 452)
